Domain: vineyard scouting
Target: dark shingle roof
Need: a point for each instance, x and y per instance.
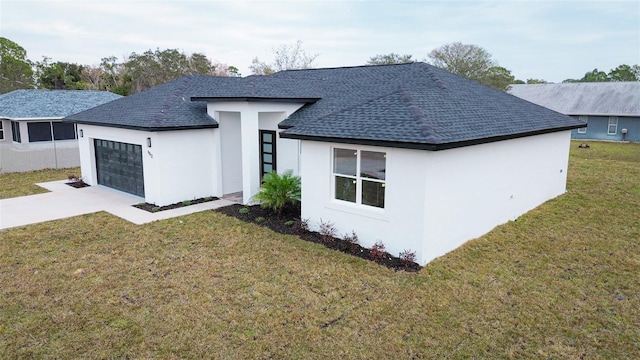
(593, 98)
(410, 105)
(51, 104)
(415, 106)
(163, 107)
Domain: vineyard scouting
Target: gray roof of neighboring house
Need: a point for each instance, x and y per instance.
(410, 105)
(592, 98)
(51, 104)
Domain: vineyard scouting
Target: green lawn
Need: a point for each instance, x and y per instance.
(22, 184)
(562, 282)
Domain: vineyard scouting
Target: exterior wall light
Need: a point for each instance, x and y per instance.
(81, 133)
(148, 142)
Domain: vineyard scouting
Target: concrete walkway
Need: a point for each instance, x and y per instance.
(64, 201)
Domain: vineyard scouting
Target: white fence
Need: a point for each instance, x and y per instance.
(36, 156)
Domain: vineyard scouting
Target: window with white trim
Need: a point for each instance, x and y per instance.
(1, 130)
(359, 176)
(583, 130)
(613, 125)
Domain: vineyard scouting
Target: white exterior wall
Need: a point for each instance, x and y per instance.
(243, 137)
(178, 166)
(436, 201)
(477, 188)
(399, 225)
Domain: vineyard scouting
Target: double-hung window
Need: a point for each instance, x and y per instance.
(359, 176)
(583, 130)
(613, 125)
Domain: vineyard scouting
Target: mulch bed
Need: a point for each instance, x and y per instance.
(291, 213)
(78, 184)
(153, 208)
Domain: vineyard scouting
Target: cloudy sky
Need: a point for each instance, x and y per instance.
(551, 40)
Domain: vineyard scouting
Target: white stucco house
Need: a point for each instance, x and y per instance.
(32, 135)
(409, 154)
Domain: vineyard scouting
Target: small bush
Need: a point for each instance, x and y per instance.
(277, 191)
(327, 230)
(289, 223)
(302, 224)
(378, 251)
(259, 219)
(73, 178)
(408, 257)
(208, 198)
(186, 203)
(351, 239)
(155, 209)
(243, 210)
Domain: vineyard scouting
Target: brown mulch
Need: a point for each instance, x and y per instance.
(77, 184)
(289, 223)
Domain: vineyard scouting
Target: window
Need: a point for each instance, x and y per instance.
(15, 131)
(584, 129)
(1, 131)
(359, 176)
(63, 131)
(613, 125)
(267, 152)
(39, 131)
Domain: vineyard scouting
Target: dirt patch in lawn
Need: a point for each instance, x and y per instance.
(289, 223)
(153, 208)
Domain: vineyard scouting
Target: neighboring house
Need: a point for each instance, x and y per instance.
(409, 154)
(610, 110)
(32, 135)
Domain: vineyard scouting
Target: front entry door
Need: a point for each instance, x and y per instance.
(267, 152)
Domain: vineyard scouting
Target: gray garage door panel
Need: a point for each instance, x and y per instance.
(119, 166)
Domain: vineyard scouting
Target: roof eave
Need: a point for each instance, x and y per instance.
(425, 146)
(144, 128)
(306, 100)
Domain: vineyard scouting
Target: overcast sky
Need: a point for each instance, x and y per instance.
(551, 40)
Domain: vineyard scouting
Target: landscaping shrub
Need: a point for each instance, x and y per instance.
(278, 190)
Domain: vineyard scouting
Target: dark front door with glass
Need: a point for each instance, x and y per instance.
(267, 152)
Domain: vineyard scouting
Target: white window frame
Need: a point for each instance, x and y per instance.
(583, 130)
(613, 121)
(2, 137)
(358, 178)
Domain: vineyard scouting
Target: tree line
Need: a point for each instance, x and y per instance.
(134, 73)
(137, 72)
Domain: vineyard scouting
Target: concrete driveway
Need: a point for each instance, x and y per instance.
(64, 201)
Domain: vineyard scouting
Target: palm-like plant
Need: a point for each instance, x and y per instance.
(278, 190)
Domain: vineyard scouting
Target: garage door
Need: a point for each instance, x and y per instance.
(119, 166)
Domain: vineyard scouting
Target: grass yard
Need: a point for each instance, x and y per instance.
(23, 184)
(562, 282)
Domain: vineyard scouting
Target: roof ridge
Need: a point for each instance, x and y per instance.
(426, 130)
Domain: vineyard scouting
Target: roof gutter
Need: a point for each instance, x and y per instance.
(142, 128)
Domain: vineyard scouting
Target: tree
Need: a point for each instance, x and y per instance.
(286, 57)
(625, 73)
(15, 68)
(391, 58)
(595, 76)
(536, 81)
(498, 78)
(467, 60)
(59, 75)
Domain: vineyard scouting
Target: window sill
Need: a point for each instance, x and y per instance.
(359, 210)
